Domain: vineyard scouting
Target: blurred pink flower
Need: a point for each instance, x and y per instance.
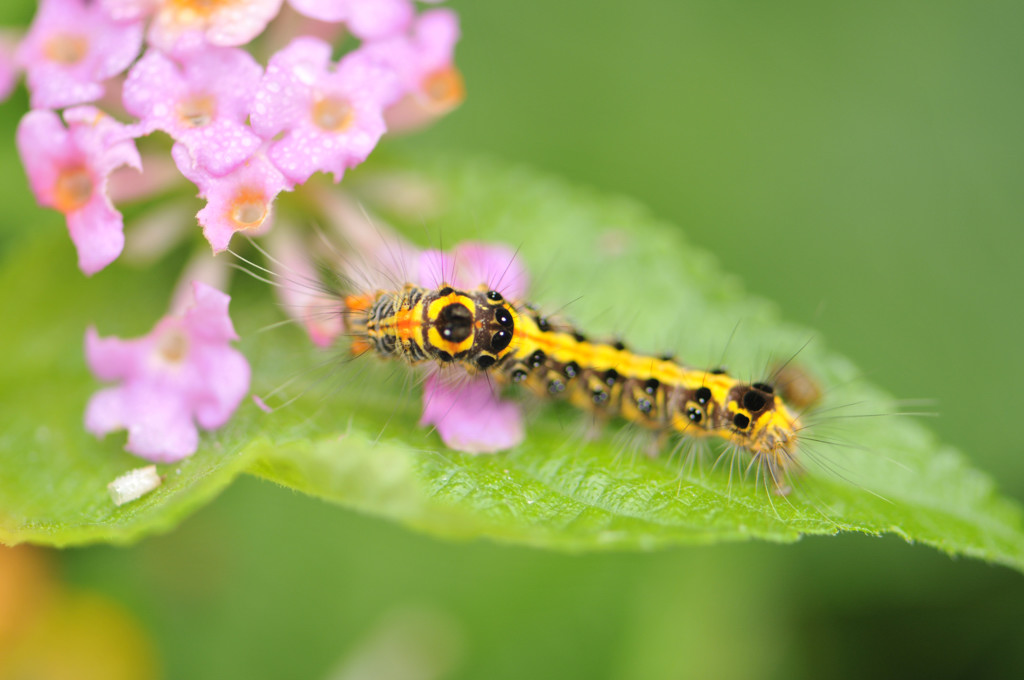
(300, 291)
(238, 201)
(182, 25)
(184, 372)
(123, 10)
(68, 169)
(329, 117)
(366, 19)
(423, 60)
(202, 104)
(471, 265)
(71, 48)
(470, 416)
(467, 412)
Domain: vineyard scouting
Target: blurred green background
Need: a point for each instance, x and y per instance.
(858, 163)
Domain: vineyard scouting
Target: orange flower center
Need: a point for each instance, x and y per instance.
(444, 88)
(189, 11)
(197, 110)
(248, 209)
(173, 346)
(73, 189)
(66, 48)
(333, 114)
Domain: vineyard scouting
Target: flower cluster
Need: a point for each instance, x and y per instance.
(166, 384)
(243, 133)
(253, 100)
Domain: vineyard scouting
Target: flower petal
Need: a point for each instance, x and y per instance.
(331, 117)
(219, 398)
(435, 268)
(366, 19)
(241, 200)
(105, 412)
(301, 293)
(182, 372)
(376, 19)
(160, 426)
(159, 429)
(43, 144)
(471, 265)
(469, 416)
(113, 358)
(284, 94)
(97, 231)
(67, 170)
(203, 104)
(207, 319)
(496, 266)
(71, 48)
(215, 23)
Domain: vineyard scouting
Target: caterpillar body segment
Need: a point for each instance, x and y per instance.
(482, 331)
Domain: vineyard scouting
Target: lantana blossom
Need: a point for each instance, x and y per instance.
(470, 416)
(71, 48)
(423, 61)
(366, 19)
(125, 10)
(331, 116)
(302, 296)
(471, 265)
(242, 136)
(467, 411)
(181, 25)
(183, 373)
(202, 104)
(68, 169)
(238, 201)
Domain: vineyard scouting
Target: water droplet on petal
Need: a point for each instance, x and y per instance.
(248, 209)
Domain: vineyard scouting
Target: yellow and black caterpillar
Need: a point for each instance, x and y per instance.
(484, 332)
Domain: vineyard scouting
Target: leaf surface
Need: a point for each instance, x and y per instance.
(349, 433)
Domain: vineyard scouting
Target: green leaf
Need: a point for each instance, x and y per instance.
(349, 433)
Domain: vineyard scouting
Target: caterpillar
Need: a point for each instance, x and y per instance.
(483, 332)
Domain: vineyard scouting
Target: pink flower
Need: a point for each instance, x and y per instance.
(424, 61)
(470, 416)
(330, 116)
(471, 265)
(71, 48)
(238, 201)
(384, 254)
(181, 25)
(301, 293)
(184, 372)
(68, 170)
(203, 104)
(366, 19)
(126, 10)
(466, 410)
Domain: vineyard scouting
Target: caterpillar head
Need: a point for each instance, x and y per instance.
(476, 329)
(758, 420)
